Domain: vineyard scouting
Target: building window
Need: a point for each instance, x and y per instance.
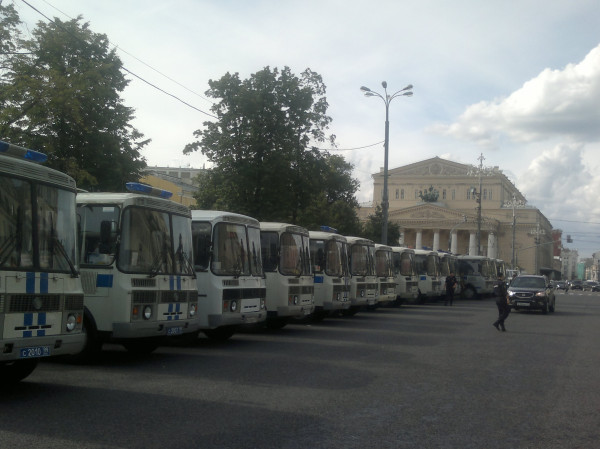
(485, 194)
(416, 194)
(402, 194)
(453, 194)
(444, 194)
(469, 194)
(397, 193)
(490, 195)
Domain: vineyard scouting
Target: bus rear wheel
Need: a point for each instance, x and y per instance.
(220, 333)
(13, 372)
(469, 293)
(142, 346)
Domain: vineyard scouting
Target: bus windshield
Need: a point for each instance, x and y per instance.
(403, 264)
(230, 251)
(383, 263)
(39, 238)
(361, 260)
(148, 246)
(294, 259)
(328, 257)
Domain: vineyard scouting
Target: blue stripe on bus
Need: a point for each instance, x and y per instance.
(41, 333)
(30, 282)
(104, 280)
(41, 319)
(27, 334)
(27, 319)
(171, 283)
(43, 282)
(318, 279)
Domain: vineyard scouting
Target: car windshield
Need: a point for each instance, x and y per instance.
(526, 282)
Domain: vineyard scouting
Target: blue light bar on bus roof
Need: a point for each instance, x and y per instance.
(148, 190)
(328, 229)
(16, 151)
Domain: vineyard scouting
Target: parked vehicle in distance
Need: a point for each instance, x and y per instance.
(590, 286)
(560, 285)
(531, 292)
(576, 284)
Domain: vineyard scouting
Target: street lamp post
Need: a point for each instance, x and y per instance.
(406, 92)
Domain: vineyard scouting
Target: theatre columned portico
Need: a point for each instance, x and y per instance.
(436, 204)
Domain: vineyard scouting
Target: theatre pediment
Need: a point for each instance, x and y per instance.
(432, 167)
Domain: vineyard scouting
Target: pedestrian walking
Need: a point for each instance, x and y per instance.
(450, 286)
(501, 302)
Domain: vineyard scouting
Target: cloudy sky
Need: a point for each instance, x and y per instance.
(518, 82)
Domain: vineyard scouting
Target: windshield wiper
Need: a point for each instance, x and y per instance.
(186, 261)
(63, 252)
(7, 248)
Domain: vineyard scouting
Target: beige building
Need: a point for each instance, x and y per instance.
(180, 181)
(451, 221)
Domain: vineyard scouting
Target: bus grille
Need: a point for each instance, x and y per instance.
(74, 302)
(25, 303)
(174, 296)
(304, 290)
(143, 283)
(143, 296)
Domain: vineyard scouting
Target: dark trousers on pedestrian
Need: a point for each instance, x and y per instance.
(503, 312)
(449, 297)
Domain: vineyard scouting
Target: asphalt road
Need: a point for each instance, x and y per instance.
(423, 376)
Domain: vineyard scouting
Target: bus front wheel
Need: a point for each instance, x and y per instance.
(13, 372)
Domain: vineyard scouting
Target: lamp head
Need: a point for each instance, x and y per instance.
(384, 84)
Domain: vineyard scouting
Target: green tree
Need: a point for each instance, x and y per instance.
(372, 228)
(61, 95)
(263, 147)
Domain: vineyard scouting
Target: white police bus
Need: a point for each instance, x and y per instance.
(363, 280)
(231, 283)
(41, 304)
(137, 276)
(384, 270)
(286, 261)
(329, 257)
(405, 276)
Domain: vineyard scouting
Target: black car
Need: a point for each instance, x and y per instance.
(591, 286)
(530, 292)
(560, 285)
(576, 284)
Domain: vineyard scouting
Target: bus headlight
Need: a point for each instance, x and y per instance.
(362, 293)
(338, 296)
(147, 312)
(296, 300)
(193, 309)
(71, 322)
(233, 306)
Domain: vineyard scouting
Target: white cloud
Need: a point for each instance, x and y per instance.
(560, 103)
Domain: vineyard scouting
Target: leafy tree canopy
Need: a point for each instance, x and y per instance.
(372, 228)
(60, 94)
(263, 148)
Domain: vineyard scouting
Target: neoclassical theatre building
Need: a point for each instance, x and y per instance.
(436, 204)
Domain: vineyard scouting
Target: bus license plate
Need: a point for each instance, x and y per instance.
(34, 352)
(523, 304)
(174, 330)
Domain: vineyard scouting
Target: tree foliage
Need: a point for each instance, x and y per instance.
(372, 228)
(60, 93)
(263, 148)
